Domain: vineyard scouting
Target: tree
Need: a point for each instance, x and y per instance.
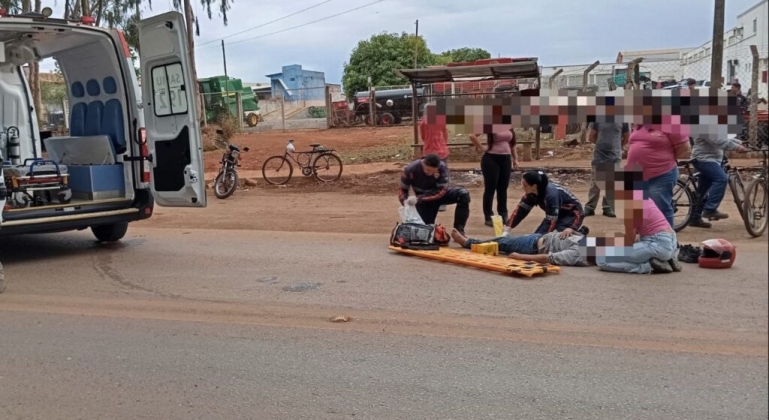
(191, 21)
(379, 56)
(462, 54)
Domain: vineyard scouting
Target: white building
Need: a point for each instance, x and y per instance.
(752, 29)
(657, 65)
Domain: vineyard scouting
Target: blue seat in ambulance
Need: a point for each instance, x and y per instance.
(112, 120)
(79, 110)
(95, 111)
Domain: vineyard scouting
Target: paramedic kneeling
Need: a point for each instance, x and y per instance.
(649, 243)
(429, 178)
(557, 248)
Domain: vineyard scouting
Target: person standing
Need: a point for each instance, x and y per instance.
(655, 152)
(497, 164)
(609, 139)
(435, 136)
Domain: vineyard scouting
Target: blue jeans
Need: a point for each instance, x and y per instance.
(522, 244)
(635, 259)
(711, 188)
(661, 192)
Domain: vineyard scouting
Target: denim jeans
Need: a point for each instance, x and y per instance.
(661, 192)
(635, 259)
(522, 244)
(711, 188)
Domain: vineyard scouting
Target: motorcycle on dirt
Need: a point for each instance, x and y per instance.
(226, 182)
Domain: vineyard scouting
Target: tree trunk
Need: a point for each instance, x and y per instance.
(99, 11)
(717, 58)
(190, 21)
(86, 7)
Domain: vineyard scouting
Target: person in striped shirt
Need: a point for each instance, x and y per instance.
(428, 177)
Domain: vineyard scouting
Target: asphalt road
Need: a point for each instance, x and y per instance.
(183, 324)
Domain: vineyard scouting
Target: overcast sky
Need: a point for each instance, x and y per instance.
(558, 32)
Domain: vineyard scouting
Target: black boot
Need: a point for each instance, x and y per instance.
(700, 223)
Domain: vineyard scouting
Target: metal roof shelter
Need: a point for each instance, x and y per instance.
(516, 68)
(528, 69)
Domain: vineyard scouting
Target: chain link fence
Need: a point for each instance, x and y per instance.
(292, 109)
(655, 73)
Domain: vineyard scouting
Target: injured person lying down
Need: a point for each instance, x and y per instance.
(557, 248)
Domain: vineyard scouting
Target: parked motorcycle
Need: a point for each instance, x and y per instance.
(226, 182)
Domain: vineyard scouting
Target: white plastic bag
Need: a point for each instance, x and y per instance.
(409, 214)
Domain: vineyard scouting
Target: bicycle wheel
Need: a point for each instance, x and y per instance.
(683, 199)
(330, 165)
(755, 205)
(277, 170)
(738, 192)
(225, 184)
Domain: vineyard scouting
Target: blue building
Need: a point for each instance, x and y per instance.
(297, 84)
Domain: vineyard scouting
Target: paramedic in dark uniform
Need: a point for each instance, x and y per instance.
(429, 178)
(562, 209)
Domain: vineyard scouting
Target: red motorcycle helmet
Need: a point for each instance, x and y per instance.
(717, 253)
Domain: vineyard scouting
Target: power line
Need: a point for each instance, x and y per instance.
(265, 24)
(308, 23)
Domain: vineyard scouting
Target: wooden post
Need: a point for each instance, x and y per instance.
(203, 103)
(538, 133)
(583, 134)
(329, 108)
(415, 118)
(283, 109)
(65, 108)
(371, 114)
(239, 108)
(630, 77)
(753, 125)
(552, 78)
(717, 56)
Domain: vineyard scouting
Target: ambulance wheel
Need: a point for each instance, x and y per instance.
(110, 233)
(2, 279)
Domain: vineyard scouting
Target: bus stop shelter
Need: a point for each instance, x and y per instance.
(519, 68)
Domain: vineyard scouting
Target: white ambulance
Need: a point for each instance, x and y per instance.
(123, 154)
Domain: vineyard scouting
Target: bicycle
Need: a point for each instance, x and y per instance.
(687, 185)
(755, 217)
(310, 162)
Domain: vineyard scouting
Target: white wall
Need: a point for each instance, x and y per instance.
(737, 42)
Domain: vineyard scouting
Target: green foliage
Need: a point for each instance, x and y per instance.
(53, 92)
(379, 56)
(383, 53)
(462, 54)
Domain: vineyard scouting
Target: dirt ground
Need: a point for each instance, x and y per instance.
(365, 202)
(361, 145)
(368, 204)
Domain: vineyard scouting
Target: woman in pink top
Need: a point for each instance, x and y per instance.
(497, 164)
(655, 153)
(649, 243)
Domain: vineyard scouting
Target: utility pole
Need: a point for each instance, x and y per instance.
(717, 59)
(416, 44)
(226, 80)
